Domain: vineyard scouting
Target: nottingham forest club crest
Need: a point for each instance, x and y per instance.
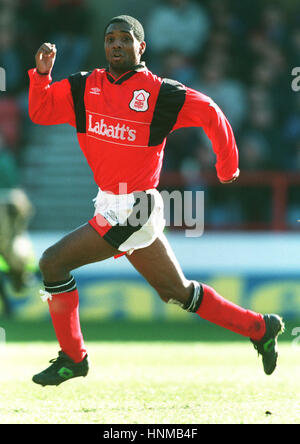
(139, 101)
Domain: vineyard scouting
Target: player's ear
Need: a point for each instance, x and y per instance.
(142, 48)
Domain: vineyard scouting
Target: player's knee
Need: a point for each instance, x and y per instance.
(48, 262)
(44, 262)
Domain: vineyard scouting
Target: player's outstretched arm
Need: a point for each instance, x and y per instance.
(199, 110)
(49, 104)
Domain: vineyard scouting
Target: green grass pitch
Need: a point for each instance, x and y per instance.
(149, 373)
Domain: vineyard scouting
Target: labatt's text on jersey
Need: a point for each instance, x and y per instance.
(120, 132)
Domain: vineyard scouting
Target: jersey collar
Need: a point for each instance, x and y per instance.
(137, 68)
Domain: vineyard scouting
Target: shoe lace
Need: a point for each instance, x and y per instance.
(58, 361)
(257, 347)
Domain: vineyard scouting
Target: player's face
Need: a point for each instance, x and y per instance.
(122, 49)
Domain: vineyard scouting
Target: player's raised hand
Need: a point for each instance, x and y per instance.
(233, 179)
(45, 58)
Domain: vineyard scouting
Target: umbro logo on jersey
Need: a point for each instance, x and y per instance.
(95, 90)
(139, 101)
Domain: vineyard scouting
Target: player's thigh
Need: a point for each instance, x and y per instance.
(80, 247)
(160, 267)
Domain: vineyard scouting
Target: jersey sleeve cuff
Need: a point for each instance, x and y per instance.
(229, 178)
(39, 79)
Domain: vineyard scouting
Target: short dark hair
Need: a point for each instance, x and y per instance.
(136, 26)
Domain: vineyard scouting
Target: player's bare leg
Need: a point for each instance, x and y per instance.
(82, 246)
(159, 266)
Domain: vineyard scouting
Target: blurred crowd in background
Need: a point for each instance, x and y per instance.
(240, 53)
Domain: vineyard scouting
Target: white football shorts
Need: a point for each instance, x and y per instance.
(129, 221)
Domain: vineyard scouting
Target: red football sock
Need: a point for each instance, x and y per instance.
(216, 309)
(64, 311)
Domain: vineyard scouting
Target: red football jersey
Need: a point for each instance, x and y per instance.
(122, 124)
